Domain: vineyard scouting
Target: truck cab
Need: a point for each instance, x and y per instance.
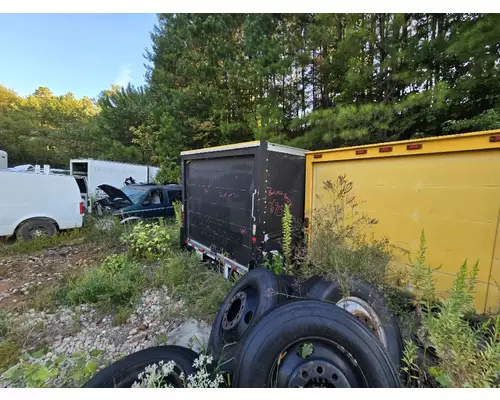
(142, 201)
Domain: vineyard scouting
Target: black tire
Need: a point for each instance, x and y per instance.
(383, 324)
(28, 229)
(305, 320)
(297, 287)
(123, 373)
(254, 294)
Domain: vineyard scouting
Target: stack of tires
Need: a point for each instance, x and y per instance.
(274, 332)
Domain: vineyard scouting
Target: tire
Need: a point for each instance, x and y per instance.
(370, 307)
(29, 229)
(265, 349)
(123, 373)
(296, 287)
(254, 294)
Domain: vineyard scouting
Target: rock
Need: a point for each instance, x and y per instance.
(133, 332)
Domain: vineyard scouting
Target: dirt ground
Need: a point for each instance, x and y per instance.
(23, 276)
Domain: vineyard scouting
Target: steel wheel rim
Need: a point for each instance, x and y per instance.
(330, 365)
(366, 315)
(239, 314)
(37, 231)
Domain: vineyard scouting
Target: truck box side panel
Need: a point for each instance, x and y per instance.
(219, 204)
(454, 197)
(493, 297)
(285, 180)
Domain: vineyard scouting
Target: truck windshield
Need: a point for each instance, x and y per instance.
(134, 194)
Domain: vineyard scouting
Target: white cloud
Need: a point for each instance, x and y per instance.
(124, 76)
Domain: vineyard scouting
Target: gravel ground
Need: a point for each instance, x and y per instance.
(66, 331)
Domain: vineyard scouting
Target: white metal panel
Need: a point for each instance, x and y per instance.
(3, 159)
(279, 148)
(222, 148)
(26, 195)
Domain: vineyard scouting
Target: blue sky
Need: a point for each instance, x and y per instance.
(79, 53)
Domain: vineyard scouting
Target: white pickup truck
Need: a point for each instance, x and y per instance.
(32, 204)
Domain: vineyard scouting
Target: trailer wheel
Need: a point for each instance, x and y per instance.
(311, 343)
(123, 373)
(254, 294)
(36, 227)
(370, 307)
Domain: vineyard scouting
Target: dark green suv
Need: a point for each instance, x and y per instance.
(141, 201)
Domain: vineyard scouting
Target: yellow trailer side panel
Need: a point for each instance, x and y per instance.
(493, 297)
(453, 196)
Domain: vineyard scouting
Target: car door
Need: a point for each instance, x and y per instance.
(173, 196)
(151, 209)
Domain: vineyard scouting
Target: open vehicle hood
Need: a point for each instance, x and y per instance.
(114, 193)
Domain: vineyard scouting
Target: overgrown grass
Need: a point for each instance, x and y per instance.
(468, 355)
(153, 261)
(107, 288)
(186, 278)
(97, 230)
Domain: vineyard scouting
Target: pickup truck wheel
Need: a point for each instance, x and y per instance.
(123, 373)
(310, 343)
(254, 294)
(370, 307)
(34, 228)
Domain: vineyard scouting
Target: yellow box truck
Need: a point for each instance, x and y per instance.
(448, 185)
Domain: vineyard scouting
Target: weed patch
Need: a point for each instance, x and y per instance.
(468, 355)
(117, 282)
(184, 276)
(151, 240)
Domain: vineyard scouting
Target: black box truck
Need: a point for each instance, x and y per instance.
(234, 197)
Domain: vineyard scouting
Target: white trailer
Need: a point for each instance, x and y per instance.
(90, 173)
(3, 159)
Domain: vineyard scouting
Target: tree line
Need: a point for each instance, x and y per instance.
(309, 80)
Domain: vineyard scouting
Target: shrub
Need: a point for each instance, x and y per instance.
(339, 247)
(468, 355)
(274, 261)
(115, 263)
(150, 240)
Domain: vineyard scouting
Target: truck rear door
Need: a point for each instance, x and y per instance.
(219, 204)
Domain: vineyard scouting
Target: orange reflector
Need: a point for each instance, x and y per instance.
(416, 146)
(361, 151)
(318, 155)
(495, 138)
(385, 149)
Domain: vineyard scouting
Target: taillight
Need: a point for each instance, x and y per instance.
(81, 208)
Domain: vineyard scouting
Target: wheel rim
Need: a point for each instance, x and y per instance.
(366, 315)
(37, 231)
(239, 313)
(328, 366)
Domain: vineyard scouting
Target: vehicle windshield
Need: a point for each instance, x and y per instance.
(134, 194)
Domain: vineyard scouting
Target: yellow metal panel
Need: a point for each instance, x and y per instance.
(453, 196)
(438, 144)
(493, 299)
